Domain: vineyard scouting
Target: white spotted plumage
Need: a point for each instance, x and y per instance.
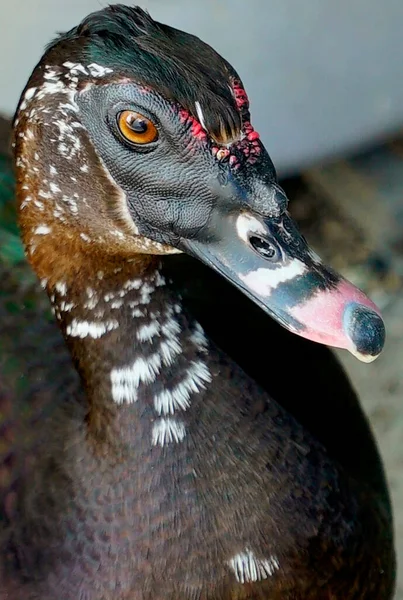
(61, 288)
(92, 329)
(142, 370)
(198, 338)
(123, 388)
(42, 230)
(170, 348)
(98, 70)
(148, 331)
(54, 188)
(167, 401)
(247, 567)
(166, 431)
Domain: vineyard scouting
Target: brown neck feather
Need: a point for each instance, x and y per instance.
(96, 313)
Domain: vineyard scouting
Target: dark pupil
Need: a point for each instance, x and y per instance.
(137, 125)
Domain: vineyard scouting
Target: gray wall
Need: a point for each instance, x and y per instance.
(321, 74)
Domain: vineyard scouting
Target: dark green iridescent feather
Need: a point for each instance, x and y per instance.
(11, 250)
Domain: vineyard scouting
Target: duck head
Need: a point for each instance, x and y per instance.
(135, 139)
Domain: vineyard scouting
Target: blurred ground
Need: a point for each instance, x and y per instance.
(351, 211)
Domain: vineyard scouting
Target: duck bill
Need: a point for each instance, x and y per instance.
(269, 260)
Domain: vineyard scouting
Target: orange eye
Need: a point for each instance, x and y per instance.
(136, 128)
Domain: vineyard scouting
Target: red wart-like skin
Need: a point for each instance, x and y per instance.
(248, 144)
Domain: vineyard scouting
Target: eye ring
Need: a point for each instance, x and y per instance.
(136, 128)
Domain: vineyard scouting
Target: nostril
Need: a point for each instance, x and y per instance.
(262, 247)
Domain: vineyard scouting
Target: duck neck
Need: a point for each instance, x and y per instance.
(141, 361)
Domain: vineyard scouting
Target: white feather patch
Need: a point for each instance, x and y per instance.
(194, 381)
(263, 281)
(146, 332)
(247, 567)
(82, 329)
(166, 431)
(42, 230)
(126, 380)
(200, 115)
(247, 224)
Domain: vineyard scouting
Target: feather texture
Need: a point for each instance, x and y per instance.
(11, 250)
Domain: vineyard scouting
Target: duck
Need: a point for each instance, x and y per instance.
(174, 424)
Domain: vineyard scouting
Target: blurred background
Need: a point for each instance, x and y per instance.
(326, 89)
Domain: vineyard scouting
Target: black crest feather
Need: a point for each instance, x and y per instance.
(178, 65)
